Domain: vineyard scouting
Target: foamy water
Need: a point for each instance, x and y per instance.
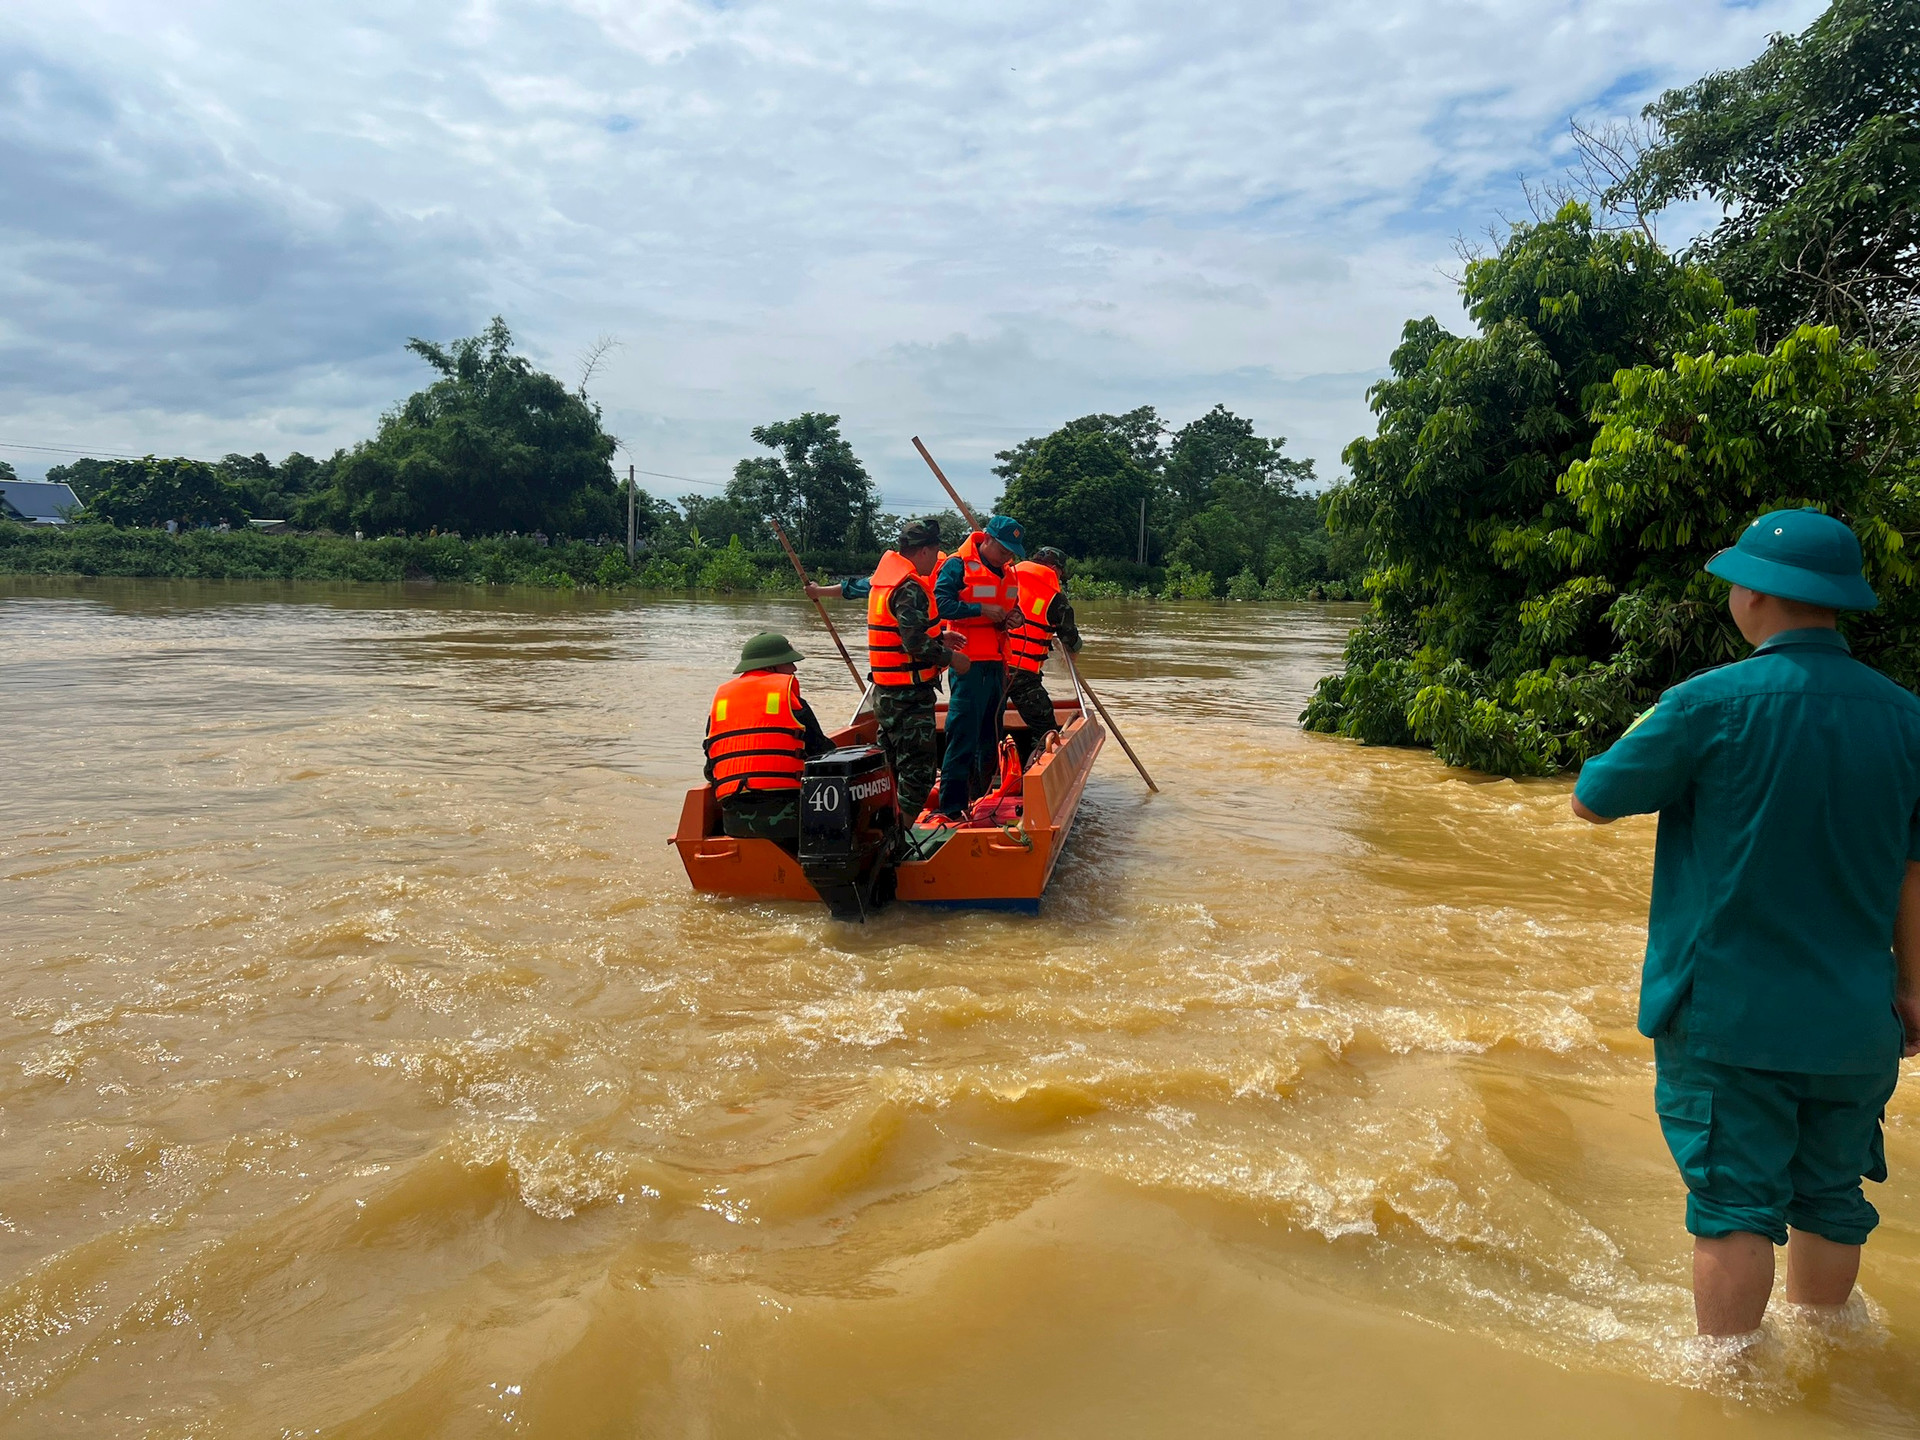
(367, 1067)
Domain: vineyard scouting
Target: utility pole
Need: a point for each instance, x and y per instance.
(630, 487)
(1143, 529)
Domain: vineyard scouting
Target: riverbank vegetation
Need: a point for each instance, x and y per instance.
(1211, 509)
(495, 448)
(1540, 494)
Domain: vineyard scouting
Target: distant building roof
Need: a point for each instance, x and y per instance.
(37, 502)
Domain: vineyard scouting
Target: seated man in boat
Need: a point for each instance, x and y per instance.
(1044, 613)
(977, 593)
(759, 736)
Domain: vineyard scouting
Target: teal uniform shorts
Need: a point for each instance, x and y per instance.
(1764, 1149)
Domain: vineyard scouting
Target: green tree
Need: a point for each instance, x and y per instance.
(813, 485)
(493, 445)
(1689, 452)
(1081, 487)
(721, 515)
(154, 491)
(1482, 592)
(1230, 500)
(273, 491)
(1813, 154)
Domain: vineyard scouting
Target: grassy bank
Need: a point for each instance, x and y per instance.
(561, 565)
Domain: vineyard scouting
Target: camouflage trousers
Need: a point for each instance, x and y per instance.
(912, 743)
(771, 816)
(1027, 693)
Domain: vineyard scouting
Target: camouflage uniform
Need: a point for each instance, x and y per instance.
(907, 731)
(1027, 689)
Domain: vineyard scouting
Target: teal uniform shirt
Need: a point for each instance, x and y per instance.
(1788, 786)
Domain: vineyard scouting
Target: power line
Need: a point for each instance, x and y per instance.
(64, 450)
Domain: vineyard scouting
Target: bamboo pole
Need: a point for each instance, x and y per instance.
(825, 619)
(1080, 681)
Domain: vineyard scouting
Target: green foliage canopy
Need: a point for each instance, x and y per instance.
(1540, 497)
(1813, 153)
(1081, 487)
(813, 485)
(153, 491)
(1489, 636)
(494, 445)
(1225, 510)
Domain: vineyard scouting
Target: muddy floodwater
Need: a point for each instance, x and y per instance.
(368, 1069)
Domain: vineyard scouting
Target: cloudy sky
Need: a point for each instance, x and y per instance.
(221, 219)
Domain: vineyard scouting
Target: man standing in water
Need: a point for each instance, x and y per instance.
(1783, 944)
(977, 593)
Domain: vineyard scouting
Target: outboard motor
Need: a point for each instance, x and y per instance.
(848, 821)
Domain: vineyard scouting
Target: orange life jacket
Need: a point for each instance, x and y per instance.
(887, 658)
(1029, 646)
(985, 639)
(755, 739)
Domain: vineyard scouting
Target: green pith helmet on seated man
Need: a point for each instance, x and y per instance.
(1047, 555)
(1798, 555)
(766, 650)
(1009, 532)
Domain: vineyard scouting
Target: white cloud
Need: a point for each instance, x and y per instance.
(220, 220)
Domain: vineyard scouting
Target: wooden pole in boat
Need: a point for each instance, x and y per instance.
(966, 510)
(1074, 670)
(825, 619)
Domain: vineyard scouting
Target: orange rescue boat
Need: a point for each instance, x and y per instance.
(1000, 862)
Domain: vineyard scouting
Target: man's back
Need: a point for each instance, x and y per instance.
(1788, 786)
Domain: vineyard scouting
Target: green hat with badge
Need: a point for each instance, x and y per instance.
(1798, 555)
(766, 650)
(1009, 533)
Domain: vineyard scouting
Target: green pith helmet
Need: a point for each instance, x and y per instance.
(766, 650)
(1798, 555)
(1047, 555)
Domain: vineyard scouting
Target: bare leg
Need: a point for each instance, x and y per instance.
(1820, 1271)
(1732, 1278)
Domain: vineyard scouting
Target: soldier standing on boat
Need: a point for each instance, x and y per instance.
(977, 593)
(1045, 613)
(1783, 944)
(906, 653)
(760, 734)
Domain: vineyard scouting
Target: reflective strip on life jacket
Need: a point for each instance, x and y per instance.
(1029, 646)
(887, 658)
(755, 739)
(985, 639)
